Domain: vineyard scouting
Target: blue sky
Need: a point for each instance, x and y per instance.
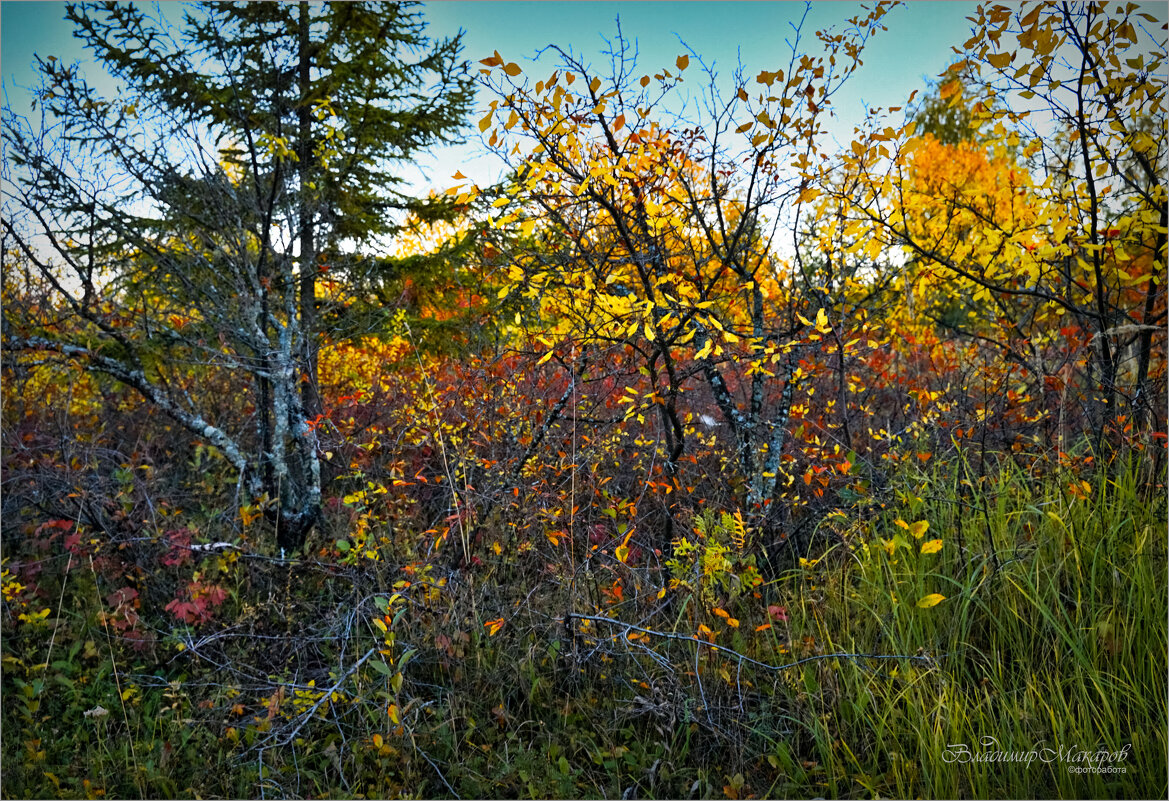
(916, 46)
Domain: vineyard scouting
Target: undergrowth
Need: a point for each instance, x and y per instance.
(993, 636)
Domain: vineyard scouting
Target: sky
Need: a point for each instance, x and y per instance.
(916, 47)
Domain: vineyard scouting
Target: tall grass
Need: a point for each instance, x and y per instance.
(1052, 636)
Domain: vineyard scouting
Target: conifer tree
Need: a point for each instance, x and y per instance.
(187, 217)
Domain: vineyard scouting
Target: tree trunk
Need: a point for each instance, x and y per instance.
(310, 388)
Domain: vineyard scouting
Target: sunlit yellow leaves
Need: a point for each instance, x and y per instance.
(822, 321)
(933, 599)
(683, 62)
(917, 529)
(492, 60)
(493, 626)
(807, 195)
(512, 69)
(931, 546)
(595, 85)
(394, 714)
(485, 122)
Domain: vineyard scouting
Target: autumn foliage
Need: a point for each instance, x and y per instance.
(695, 442)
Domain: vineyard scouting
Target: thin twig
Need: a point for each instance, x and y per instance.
(436, 770)
(742, 657)
(118, 684)
(327, 695)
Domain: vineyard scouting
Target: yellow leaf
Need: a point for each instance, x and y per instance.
(933, 599)
(485, 123)
(808, 195)
(645, 80)
(545, 358)
(721, 612)
(595, 84)
(733, 622)
(622, 553)
(458, 176)
(683, 62)
(822, 321)
(377, 741)
(392, 711)
(1000, 60)
(381, 624)
(919, 528)
(493, 626)
(933, 546)
(512, 69)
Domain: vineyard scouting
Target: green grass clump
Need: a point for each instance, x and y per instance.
(1052, 635)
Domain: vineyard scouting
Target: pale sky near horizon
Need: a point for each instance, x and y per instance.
(916, 46)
